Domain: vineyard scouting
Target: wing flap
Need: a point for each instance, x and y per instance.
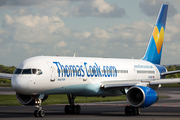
(129, 83)
(165, 81)
(118, 84)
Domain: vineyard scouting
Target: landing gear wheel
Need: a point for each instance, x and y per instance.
(41, 113)
(130, 110)
(75, 109)
(78, 109)
(136, 111)
(72, 109)
(66, 109)
(36, 113)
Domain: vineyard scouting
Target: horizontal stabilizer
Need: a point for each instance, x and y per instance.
(170, 72)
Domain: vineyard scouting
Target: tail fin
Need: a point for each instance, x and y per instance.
(154, 49)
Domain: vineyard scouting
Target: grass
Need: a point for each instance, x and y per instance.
(10, 100)
(5, 84)
(171, 85)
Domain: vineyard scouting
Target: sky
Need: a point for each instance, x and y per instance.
(89, 28)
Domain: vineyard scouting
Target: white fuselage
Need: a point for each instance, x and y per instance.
(78, 75)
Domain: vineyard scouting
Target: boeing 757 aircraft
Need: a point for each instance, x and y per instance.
(37, 77)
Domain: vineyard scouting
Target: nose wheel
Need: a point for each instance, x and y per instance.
(72, 108)
(38, 112)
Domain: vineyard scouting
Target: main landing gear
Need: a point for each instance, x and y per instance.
(39, 112)
(72, 108)
(130, 110)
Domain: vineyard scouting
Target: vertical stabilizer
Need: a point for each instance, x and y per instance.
(154, 49)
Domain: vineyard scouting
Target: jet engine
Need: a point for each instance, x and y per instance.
(141, 96)
(28, 99)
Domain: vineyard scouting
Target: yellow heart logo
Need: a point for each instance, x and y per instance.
(158, 37)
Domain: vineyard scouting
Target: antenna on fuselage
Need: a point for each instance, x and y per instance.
(74, 55)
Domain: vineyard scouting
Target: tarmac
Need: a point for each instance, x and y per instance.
(164, 109)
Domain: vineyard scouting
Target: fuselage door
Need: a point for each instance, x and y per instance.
(52, 71)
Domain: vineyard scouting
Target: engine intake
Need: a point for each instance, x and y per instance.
(140, 96)
(28, 99)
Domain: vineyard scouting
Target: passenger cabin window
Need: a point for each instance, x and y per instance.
(145, 72)
(18, 71)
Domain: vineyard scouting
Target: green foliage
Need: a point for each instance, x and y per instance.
(8, 100)
(7, 69)
(173, 68)
(2, 80)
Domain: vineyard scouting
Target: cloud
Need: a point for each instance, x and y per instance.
(83, 35)
(151, 7)
(131, 39)
(61, 44)
(32, 29)
(20, 2)
(25, 34)
(102, 6)
(92, 8)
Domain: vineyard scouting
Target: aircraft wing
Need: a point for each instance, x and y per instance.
(129, 83)
(6, 75)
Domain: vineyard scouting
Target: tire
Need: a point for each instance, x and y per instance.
(36, 114)
(136, 111)
(127, 110)
(78, 109)
(66, 109)
(75, 109)
(41, 113)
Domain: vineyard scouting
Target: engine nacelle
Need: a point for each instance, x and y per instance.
(28, 99)
(140, 96)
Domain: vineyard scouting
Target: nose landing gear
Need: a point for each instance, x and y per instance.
(39, 112)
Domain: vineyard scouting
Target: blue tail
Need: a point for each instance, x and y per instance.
(154, 49)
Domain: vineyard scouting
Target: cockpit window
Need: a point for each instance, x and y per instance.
(36, 71)
(39, 72)
(26, 71)
(18, 71)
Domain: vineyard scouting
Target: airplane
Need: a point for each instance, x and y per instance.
(37, 77)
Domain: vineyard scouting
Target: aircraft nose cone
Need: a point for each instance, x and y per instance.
(19, 83)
